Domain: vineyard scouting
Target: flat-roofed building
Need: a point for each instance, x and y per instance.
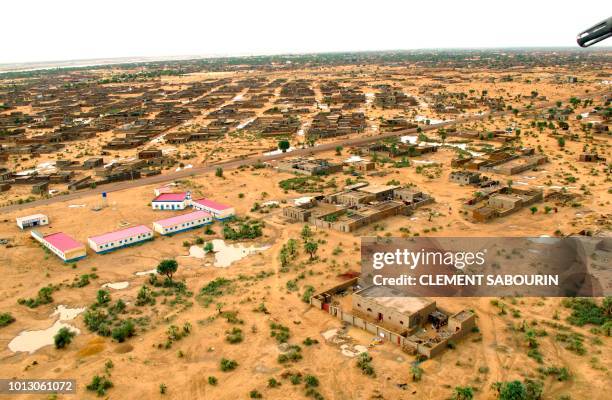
(392, 309)
(62, 245)
(217, 210)
(33, 220)
(115, 240)
(182, 222)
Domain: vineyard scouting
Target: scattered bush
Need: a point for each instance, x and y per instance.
(6, 319)
(99, 384)
(63, 338)
(364, 363)
(228, 365)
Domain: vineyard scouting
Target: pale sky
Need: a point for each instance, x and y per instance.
(47, 30)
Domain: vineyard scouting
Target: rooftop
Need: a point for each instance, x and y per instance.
(212, 204)
(385, 297)
(120, 235)
(33, 216)
(62, 242)
(171, 197)
(179, 219)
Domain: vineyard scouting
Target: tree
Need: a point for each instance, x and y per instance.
(561, 142)
(284, 145)
(167, 267)
(533, 210)
(208, 247)
(63, 337)
(311, 248)
(306, 232)
(417, 373)
(443, 136)
(292, 247)
(284, 257)
(219, 172)
(338, 150)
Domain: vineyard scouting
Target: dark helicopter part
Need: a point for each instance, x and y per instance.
(595, 34)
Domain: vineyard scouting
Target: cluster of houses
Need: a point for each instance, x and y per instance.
(336, 123)
(91, 172)
(502, 161)
(70, 250)
(357, 206)
(276, 125)
(400, 149)
(393, 98)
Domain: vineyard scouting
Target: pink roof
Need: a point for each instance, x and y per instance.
(212, 204)
(120, 235)
(179, 219)
(171, 197)
(62, 242)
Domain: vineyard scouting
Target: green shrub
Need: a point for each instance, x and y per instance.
(228, 365)
(63, 338)
(99, 384)
(6, 319)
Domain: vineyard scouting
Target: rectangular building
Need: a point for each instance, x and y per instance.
(118, 239)
(181, 223)
(32, 220)
(61, 245)
(171, 201)
(217, 210)
(401, 313)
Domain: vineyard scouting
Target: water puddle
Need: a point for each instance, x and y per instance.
(31, 341)
(226, 254)
(116, 285)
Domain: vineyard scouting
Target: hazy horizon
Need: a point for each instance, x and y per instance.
(77, 31)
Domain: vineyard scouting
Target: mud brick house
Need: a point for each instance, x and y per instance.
(465, 177)
(309, 166)
(517, 165)
(357, 206)
(397, 312)
(275, 125)
(399, 150)
(416, 324)
(40, 188)
(5, 175)
(393, 98)
(336, 123)
(93, 162)
(501, 202)
(590, 157)
(395, 124)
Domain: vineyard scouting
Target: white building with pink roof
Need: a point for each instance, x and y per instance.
(217, 210)
(182, 222)
(118, 239)
(171, 201)
(62, 245)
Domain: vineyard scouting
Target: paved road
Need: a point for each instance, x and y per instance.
(235, 163)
